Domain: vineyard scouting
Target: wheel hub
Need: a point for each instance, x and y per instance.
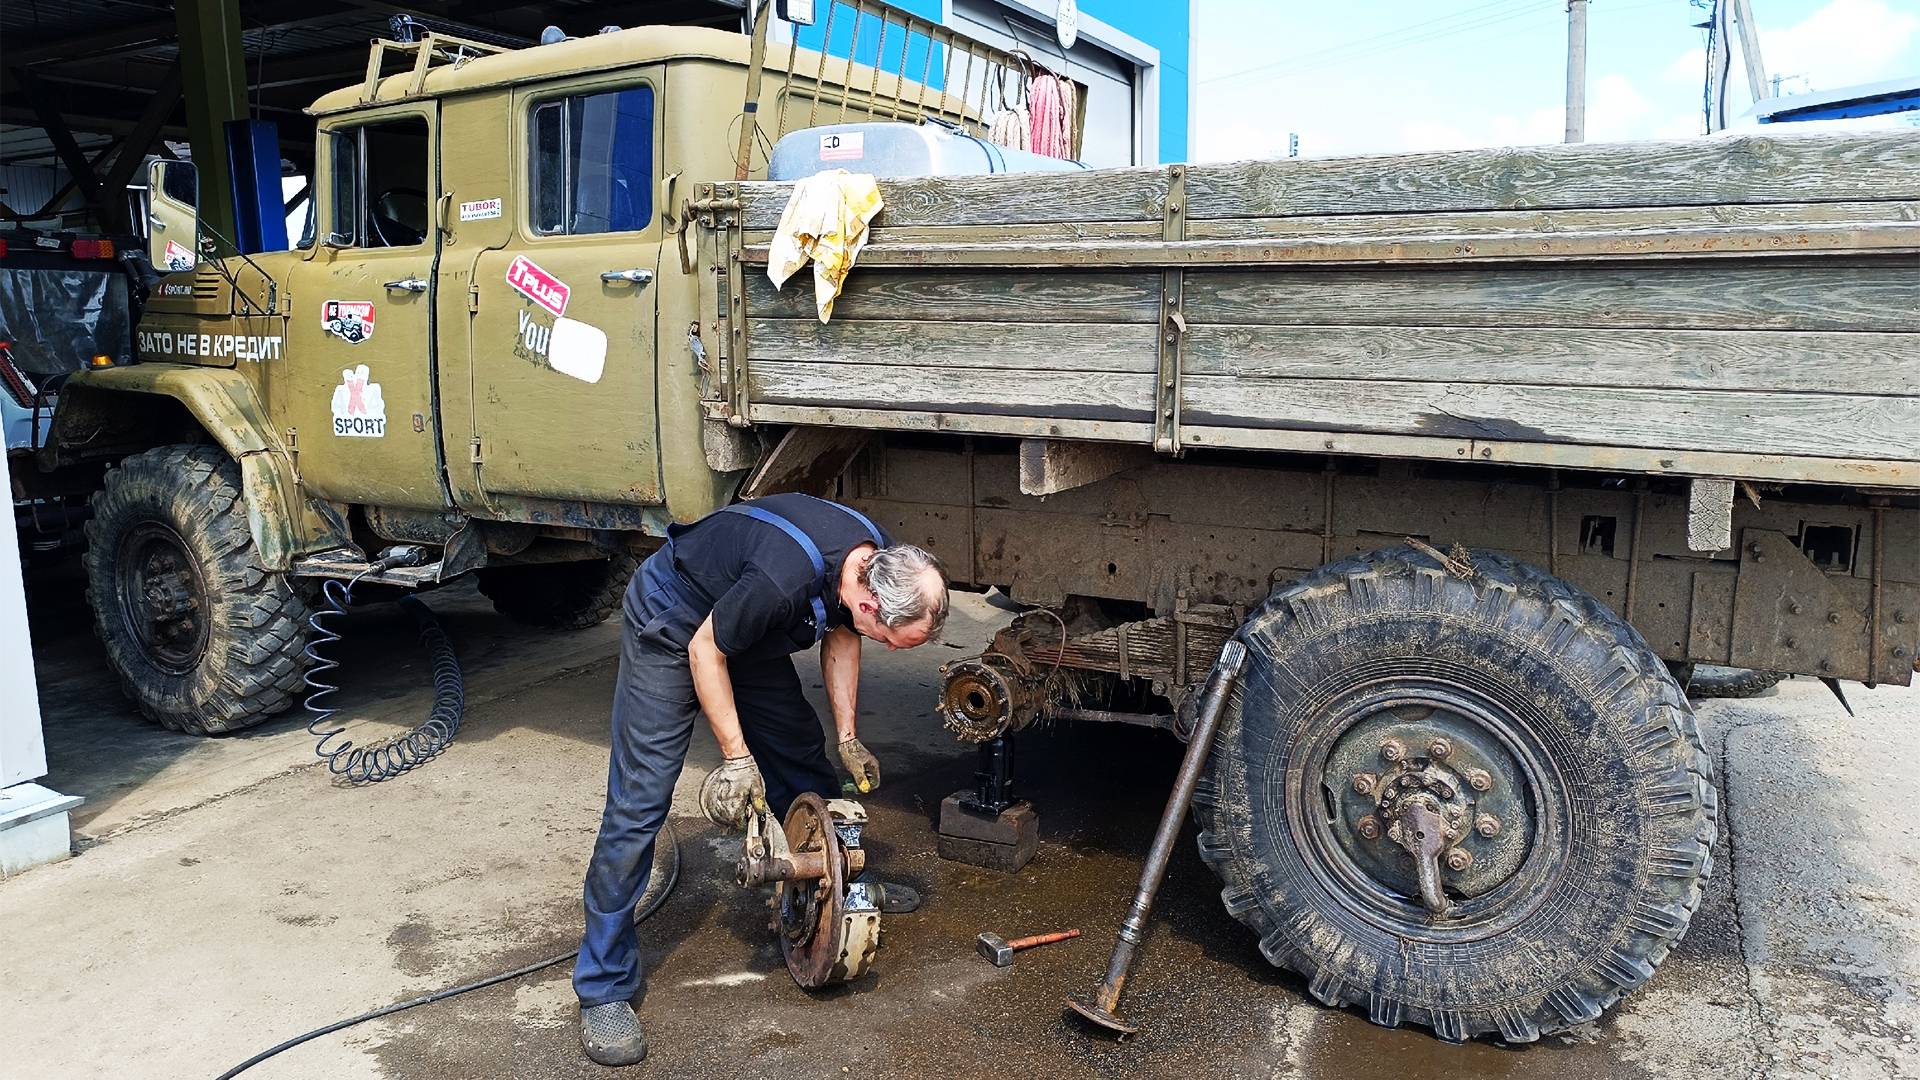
(161, 597)
(1427, 801)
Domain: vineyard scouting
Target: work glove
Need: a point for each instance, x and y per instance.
(862, 764)
(733, 791)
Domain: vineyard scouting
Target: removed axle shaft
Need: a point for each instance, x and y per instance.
(1104, 1006)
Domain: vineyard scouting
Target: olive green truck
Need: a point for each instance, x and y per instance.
(1476, 452)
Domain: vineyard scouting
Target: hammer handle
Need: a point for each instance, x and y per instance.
(1041, 939)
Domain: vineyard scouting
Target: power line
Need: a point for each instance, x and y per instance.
(1411, 28)
(1455, 31)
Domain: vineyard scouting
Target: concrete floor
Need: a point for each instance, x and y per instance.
(227, 896)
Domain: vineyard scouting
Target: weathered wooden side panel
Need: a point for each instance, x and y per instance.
(1743, 307)
(1700, 172)
(1757, 294)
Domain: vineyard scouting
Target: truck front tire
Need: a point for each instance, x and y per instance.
(559, 596)
(1535, 731)
(203, 637)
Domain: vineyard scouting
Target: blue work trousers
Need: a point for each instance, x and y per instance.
(654, 710)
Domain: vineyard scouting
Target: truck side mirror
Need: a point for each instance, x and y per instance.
(173, 215)
(797, 12)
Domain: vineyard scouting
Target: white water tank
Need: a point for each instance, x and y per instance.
(892, 149)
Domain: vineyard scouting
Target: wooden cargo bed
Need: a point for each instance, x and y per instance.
(1743, 307)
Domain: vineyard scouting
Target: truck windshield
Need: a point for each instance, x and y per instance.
(593, 163)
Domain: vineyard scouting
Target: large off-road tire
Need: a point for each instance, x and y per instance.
(203, 637)
(1712, 681)
(1561, 726)
(560, 596)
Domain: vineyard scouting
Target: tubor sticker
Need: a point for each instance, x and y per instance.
(843, 146)
(349, 320)
(537, 285)
(359, 411)
(480, 211)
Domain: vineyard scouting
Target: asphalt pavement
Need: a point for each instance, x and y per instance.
(226, 895)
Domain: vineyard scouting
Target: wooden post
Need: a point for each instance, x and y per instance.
(1576, 71)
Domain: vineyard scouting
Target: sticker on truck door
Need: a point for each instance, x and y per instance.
(349, 320)
(569, 346)
(537, 285)
(359, 410)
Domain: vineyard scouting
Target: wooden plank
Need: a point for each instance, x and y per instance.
(1044, 230)
(1573, 220)
(1604, 459)
(1050, 466)
(1697, 172)
(1782, 363)
(1809, 425)
(1073, 395)
(934, 420)
(962, 346)
(981, 296)
(806, 459)
(1023, 199)
(1642, 244)
(1835, 294)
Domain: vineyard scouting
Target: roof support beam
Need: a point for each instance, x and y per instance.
(48, 114)
(216, 89)
(133, 148)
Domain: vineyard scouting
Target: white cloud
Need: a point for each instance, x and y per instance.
(1844, 43)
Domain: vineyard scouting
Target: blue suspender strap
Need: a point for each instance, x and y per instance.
(878, 540)
(813, 555)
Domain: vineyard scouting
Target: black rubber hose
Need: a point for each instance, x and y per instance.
(667, 841)
(386, 760)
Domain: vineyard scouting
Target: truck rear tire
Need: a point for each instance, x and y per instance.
(1577, 796)
(560, 596)
(1713, 681)
(204, 638)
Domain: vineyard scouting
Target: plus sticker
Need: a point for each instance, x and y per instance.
(537, 285)
(359, 410)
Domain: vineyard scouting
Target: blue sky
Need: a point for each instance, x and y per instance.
(1370, 76)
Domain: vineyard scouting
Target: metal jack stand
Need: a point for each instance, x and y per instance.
(1103, 1008)
(987, 826)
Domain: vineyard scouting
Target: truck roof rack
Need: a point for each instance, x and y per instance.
(960, 79)
(431, 50)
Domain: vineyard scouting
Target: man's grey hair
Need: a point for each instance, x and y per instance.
(894, 576)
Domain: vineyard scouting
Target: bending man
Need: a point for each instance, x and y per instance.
(711, 620)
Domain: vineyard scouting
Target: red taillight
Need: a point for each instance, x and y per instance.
(3, 249)
(93, 249)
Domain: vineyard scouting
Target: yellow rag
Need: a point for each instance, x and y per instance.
(826, 221)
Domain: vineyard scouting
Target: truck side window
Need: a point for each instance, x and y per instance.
(380, 185)
(593, 163)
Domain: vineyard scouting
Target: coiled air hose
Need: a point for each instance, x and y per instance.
(659, 886)
(385, 760)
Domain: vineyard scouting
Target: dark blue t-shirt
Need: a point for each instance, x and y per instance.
(756, 579)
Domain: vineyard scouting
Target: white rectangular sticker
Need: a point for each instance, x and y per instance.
(843, 146)
(480, 211)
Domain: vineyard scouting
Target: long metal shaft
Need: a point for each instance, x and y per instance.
(1104, 1007)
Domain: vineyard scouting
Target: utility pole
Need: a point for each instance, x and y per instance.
(1750, 48)
(1576, 71)
(1719, 60)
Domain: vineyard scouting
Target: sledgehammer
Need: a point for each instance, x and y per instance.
(1000, 951)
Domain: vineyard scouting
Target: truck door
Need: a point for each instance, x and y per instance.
(563, 315)
(357, 386)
